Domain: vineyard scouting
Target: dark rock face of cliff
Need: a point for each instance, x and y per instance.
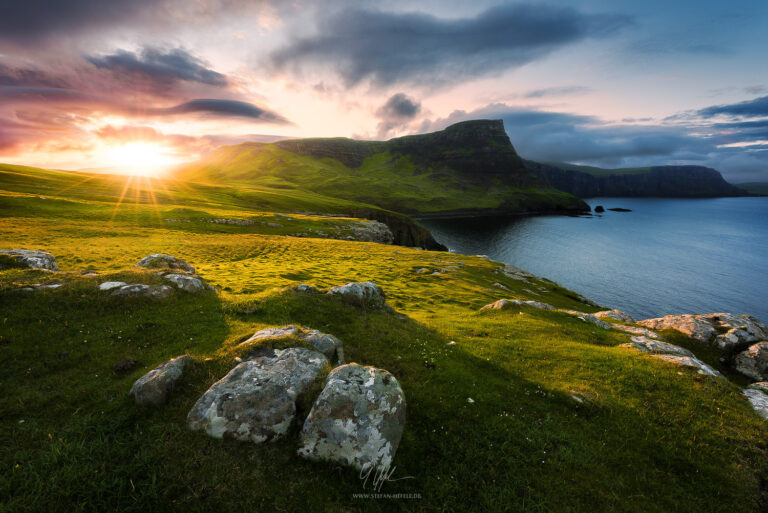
(660, 181)
(405, 230)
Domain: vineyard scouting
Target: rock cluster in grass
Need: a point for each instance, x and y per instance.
(154, 388)
(503, 304)
(357, 419)
(32, 259)
(178, 273)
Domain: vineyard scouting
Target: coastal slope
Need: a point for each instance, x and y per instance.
(468, 168)
(655, 181)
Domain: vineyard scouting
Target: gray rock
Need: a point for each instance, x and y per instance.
(649, 345)
(303, 288)
(187, 283)
(727, 332)
(365, 293)
(586, 318)
(538, 304)
(163, 261)
(110, 285)
(499, 286)
(636, 330)
(357, 420)
(502, 304)
(759, 401)
(753, 362)
(154, 387)
(372, 231)
(326, 344)
(143, 290)
(256, 401)
(760, 385)
(616, 315)
(688, 361)
(29, 258)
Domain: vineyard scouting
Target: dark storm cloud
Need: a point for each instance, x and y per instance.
(28, 77)
(27, 20)
(751, 108)
(224, 108)
(396, 112)
(162, 66)
(390, 47)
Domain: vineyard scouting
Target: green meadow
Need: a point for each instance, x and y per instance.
(529, 410)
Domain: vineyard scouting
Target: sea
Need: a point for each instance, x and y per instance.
(666, 256)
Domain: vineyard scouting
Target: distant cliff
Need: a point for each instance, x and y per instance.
(659, 181)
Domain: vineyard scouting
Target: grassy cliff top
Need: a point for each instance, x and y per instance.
(529, 410)
(468, 167)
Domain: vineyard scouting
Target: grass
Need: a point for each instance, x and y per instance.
(644, 436)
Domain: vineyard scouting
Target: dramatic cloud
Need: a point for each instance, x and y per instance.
(231, 108)
(386, 47)
(161, 67)
(28, 77)
(397, 112)
(752, 108)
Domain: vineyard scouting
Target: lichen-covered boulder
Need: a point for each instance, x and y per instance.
(27, 258)
(688, 324)
(366, 294)
(615, 315)
(759, 401)
(154, 387)
(649, 345)
(323, 342)
(143, 290)
(163, 261)
(357, 420)
(187, 283)
(256, 401)
(753, 362)
(688, 361)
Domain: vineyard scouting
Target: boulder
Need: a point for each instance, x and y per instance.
(326, 344)
(586, 318)
(143, 290)
(357, 420)
(616, 315)
(753, 362)
(111, 285)
(649, 345)
(760, 385)
(759, 401)
(365, 294)
(502, 304)
(303, 288)
(688, 324)
(187, 283)
(163, 261)
(256, 401)
(27, 258)
(372, 231)
(154, 387)
(688, 361)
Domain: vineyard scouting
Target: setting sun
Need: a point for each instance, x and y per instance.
(140, 158)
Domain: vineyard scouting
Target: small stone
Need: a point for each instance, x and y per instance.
(109, 285)
(143, 290)
(163, 261)
(154, 387)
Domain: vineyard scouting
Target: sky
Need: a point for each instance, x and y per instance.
(98, 84)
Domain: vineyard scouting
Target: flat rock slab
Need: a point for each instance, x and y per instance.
(503, 304)
(364, 294)
(357, 420)
(111, 285)
(143, 290)
(636, 330)
(615, 315)
(32, 259)
(649, 345)
(586, 318)
(759, 401)
(163, 261)
(753, 362)
(688, 361)
(154, 387)
(256, 401)
(323, 342)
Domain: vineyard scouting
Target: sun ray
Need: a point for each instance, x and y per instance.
(128, 181)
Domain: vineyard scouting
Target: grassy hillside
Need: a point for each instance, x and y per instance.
(560, 418)
(466, 168)
(760, 188)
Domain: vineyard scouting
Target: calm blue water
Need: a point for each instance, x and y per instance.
(666, 256)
